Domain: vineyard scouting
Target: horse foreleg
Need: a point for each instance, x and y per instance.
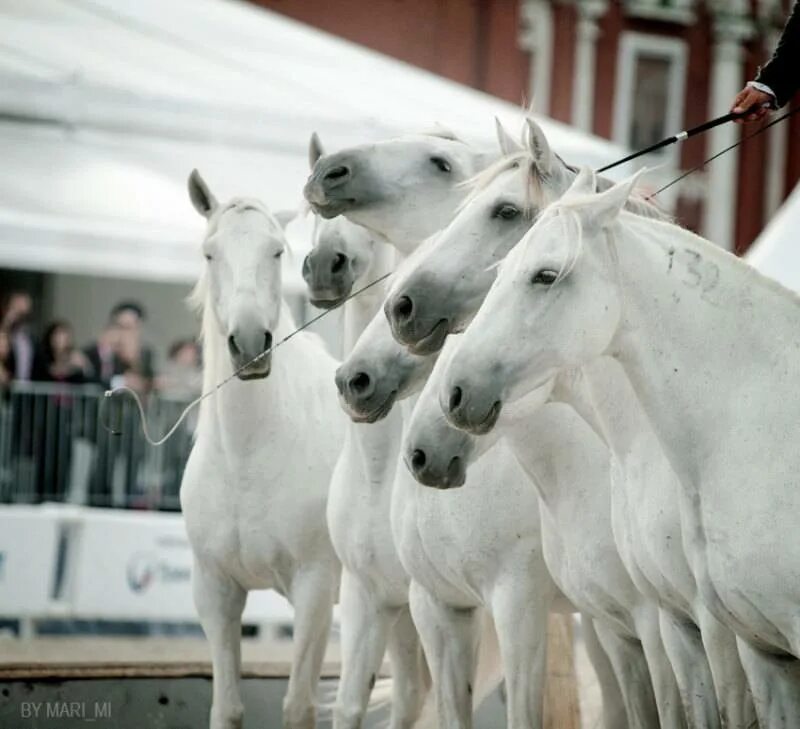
(614, 716)
(410, 676)
(775, 685)
(665, 687)
(364, 627)
(450, 639)
(730, 683)
(520, 614)
(219, 602)
(312, 594)
(633, 677)
(684, 646)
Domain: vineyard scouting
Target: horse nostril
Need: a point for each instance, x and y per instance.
(338, 262)
(403, 308)
(359, 383)
(456, 396)
(337, 173)
(418, 460)
(306, 270)
(233, 348)
(267, 341)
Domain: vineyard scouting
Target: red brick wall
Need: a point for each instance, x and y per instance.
(473, 42)
(564, 18)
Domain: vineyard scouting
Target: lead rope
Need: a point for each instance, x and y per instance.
(702, 128)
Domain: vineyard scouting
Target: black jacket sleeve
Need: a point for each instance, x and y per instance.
(782, 73)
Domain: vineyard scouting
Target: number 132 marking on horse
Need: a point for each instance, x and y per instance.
(699, 273)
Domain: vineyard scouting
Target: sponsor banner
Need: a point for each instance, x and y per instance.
(28, 558)
(135, 565)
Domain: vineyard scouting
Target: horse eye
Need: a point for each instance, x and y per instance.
(208, 256)
(506, 211)
(441, 163)
(546, 276)
(279, 253)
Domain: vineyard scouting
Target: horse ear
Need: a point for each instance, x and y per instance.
(508, 145)
(315, 150)
(204, 202)
(606, 206)
(585, 183)
(284, 217)
(539, 147)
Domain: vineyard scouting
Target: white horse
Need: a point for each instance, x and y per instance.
(567, 466)
(459, 556)
(433, 296)
(445, 286)
(402, 189)
(255, 488)
(374, 589)
(378, 185)
(674, 312)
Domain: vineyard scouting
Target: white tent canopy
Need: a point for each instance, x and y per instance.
(106, 105)
(776, 252)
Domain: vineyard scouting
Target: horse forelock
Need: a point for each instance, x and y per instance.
(540, 188)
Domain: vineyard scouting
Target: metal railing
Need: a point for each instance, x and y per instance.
(53, 447)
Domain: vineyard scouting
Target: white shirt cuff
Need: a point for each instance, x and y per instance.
(764, 89)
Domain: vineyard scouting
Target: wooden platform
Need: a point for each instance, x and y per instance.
(164, 682)
(153, 683)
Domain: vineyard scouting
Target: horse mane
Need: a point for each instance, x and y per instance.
(536, 190)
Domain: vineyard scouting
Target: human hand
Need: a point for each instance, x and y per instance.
(750, 98)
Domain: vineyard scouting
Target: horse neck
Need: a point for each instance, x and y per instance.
(698, 327)
(240, 411)
(378, 446)
(360, 310)
(563, 456)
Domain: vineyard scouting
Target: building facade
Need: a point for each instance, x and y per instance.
(632, 71)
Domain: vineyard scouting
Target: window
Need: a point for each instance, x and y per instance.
(651, 83)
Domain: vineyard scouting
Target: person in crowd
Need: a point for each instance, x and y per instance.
(180, 381)
(779, 79)
(58, 360)
(182, 376)
(135, 358)
(16, 315)
(119, 355)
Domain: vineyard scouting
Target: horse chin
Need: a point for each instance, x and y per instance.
(327, 304)
(333, 208)
(433, 341)
(258, 371)
(374, 415)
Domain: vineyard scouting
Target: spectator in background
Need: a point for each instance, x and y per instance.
(58, 360)
(134, 357)
(182, 377)
(16, 322)
(119, 356)
(102, 356)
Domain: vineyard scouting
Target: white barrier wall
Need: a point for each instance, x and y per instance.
(28, 552)
(119, 565)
